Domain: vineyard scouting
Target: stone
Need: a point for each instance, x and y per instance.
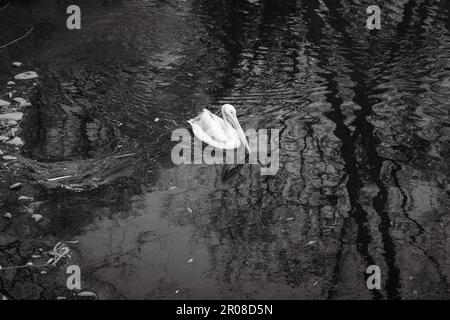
(16, 141)
(17, 116)
(87, 294)
(22, 102)
(4, 103)
(25, 199)
(16, 64)
(37, 217)
(26, 75)
(12, 132)
(8, 158)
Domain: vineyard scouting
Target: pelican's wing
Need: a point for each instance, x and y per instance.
(213, 130)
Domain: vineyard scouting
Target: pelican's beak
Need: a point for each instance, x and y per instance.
(235, 123)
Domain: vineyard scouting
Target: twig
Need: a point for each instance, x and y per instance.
(68, 98)
(22, 37)
(59, 178)
(124, 155)
(24, 266)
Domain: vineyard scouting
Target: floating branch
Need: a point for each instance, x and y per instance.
(5, 6)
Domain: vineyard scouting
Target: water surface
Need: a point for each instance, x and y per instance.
(364, 138)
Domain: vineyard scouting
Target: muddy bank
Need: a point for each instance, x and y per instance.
(53, 147)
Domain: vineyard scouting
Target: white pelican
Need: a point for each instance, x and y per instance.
(220, 133)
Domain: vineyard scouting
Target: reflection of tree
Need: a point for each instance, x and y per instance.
(355, 70)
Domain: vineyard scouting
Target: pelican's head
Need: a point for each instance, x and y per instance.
(229, 115)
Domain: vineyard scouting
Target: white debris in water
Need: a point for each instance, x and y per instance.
(7, 215)
(26, 75)
(4, 103)
(189, 209)
(289, 219)
(43, 272)
(190, 260)
(311, 242)
(30, 264)
(16, 141)
(37, 217)
(61, 298)
(124, 155)
(178, 291)
(156, 119)
(11, 83)
(22, 102)
(36, 256)
(171, 188)
(59, 178)
(16, 64)
(17, 116)
(15, 186)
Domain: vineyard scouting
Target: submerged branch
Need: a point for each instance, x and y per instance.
(18, 39)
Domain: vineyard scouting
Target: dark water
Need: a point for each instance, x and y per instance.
(364, 160)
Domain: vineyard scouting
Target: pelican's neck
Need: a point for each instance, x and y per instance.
(225, 119)
(223, 116)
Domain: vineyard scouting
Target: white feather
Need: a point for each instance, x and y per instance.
(215, 131)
